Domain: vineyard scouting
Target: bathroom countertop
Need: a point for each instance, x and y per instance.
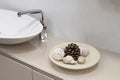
(35, 55)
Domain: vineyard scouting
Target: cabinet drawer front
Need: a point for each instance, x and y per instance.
(12, 70)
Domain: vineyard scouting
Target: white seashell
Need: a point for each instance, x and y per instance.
(81, 59)
(84, 53)
(58, 54)
(69, 60)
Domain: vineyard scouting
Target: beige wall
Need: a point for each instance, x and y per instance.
(96, 22)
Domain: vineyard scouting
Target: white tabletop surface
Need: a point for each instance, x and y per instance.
(35, 53)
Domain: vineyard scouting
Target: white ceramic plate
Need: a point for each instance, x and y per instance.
(91, 59)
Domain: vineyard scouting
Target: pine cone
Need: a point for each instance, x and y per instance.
(72, 50)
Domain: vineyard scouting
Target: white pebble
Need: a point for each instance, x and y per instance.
(58, 54)
(84, 53)
(81, 59)
(69, 60)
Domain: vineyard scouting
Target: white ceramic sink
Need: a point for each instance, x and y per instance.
(14, 29)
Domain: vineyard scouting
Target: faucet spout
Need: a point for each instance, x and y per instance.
(33, 12)
(29, 12)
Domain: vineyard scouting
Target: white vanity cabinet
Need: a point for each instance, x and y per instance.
(12, 70)
(39, 76)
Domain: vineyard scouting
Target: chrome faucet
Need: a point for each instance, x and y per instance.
(43, 35)
(33, 12)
